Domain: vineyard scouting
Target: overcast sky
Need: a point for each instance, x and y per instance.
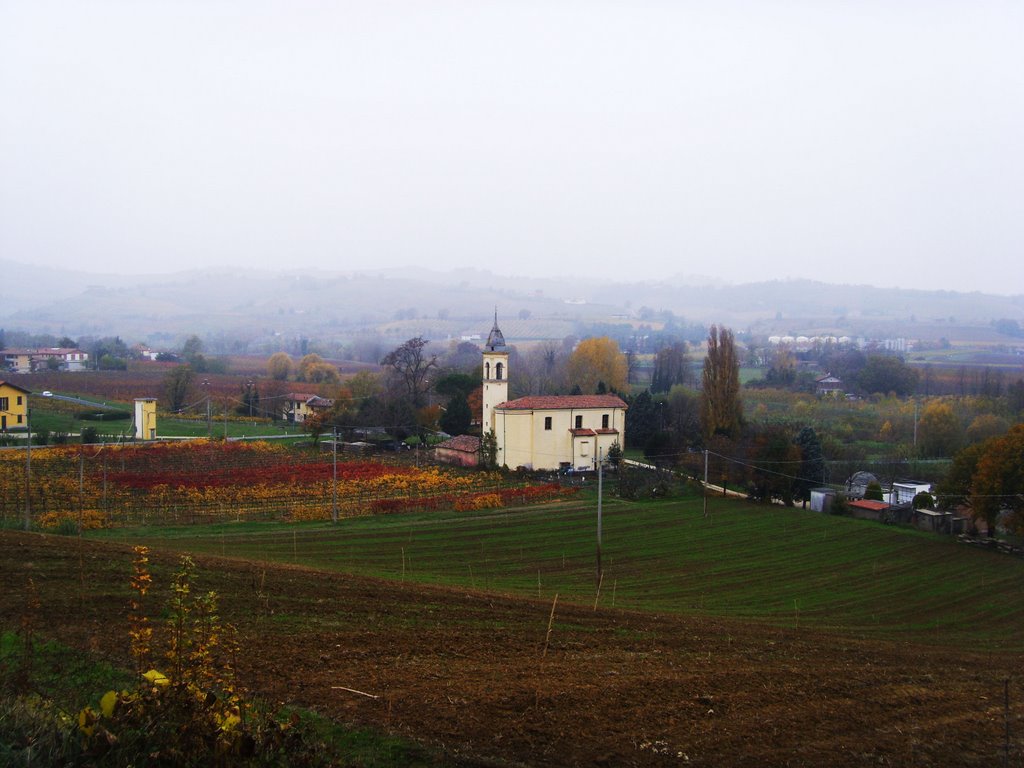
(861, 141)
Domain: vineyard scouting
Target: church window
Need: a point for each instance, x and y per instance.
(497, 371)
(579, 422)
(547, 423)
(487, 370)
(604, 421)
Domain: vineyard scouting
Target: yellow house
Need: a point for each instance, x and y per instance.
(546, 431)
(18, 360)
(299, 406)
(13, 406)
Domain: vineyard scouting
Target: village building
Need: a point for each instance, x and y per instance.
(539, 432)
(866, 509)
(145, 418)
(904, 491)
(828, 385)
(13, 406)
(299, 406)
(546, 431)
(56, 358)
(462, 451)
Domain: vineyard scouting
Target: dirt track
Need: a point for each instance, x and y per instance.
(464, 671)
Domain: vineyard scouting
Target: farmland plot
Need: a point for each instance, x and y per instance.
(493, 680)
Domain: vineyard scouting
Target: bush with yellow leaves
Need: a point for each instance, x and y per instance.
(191, 713)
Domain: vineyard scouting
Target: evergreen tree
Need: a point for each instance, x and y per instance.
(669, 367)
(456, 417)
(489, 450)
(643, 420)
(812, 464)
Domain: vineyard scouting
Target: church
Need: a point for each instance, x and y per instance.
(546, 431)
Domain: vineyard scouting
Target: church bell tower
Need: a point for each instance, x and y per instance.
(495, 375)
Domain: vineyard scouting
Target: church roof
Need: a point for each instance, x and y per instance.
(495, 339)
(561, 402)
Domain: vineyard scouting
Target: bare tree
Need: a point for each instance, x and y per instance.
(541, 371)
(410, 365)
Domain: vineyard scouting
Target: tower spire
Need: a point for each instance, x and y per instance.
(495, 339)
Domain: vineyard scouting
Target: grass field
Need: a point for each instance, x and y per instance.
(59, 416)
(788, 567)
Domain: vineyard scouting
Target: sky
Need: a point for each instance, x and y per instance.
(864, 141)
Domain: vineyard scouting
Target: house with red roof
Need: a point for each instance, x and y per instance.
(299, 406)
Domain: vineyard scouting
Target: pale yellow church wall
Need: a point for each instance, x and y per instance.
(523, 440)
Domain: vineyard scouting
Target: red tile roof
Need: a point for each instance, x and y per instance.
(874, 506)
(583, 432)
(304, 397)
(562, 402)
(465, 443)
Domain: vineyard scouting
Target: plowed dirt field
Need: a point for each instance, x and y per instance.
(465, 672)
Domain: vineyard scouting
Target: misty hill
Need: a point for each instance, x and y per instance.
(252, 305)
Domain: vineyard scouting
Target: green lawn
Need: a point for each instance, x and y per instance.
(59, 416)
(784, 566)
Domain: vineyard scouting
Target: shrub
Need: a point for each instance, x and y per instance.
(194, 715)
(839, 505)
(923, 500)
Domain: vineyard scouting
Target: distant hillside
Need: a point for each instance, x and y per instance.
(253, 305)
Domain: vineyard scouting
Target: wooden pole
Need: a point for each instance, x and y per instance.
(334, 485)
(705, 482)
(600, 572)
(28, 470)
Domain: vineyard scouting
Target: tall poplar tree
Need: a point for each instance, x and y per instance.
(721, 410)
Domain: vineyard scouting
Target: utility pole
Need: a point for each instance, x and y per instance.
(81, 487)
(334, 508)
(28, 468)
(705, 482)
(209, 423)
(600, 488)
